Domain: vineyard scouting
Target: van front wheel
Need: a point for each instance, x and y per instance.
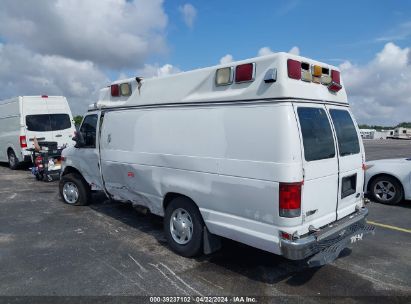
(74, 190)
(183, 227)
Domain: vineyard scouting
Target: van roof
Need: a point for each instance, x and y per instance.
(28, 97)
(199, 86)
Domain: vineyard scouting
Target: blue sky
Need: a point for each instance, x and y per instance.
(75, 47)
(325, 30)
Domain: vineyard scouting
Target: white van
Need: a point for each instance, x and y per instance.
(48, 118)
(263, 151)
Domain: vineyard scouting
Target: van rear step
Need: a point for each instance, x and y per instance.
(331, 252)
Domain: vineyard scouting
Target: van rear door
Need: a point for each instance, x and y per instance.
(350, 160)
(36, 120)
(61, 120)
(320, 164)
(47, 119)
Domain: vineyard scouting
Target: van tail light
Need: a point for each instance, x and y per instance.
(23, 142)
(290, 199)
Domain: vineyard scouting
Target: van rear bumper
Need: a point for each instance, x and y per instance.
(329, 241)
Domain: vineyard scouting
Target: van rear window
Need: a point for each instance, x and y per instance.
(346, 133)
(317, 135)
(48, 122)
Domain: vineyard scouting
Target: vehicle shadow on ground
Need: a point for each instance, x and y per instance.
(402, 204)
(22, 167)
(235, 257)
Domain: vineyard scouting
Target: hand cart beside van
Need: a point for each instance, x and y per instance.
(46, 161)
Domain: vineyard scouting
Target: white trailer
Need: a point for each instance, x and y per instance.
(402, 133)
(263, 151)
(48, 118)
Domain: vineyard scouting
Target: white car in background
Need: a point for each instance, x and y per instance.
(388, 181)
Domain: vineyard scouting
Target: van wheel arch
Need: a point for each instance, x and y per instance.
(69, 170)
(72, 170)
(172, 195)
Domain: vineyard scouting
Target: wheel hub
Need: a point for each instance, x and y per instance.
(70, 192)
(181, 226)
(385, 190)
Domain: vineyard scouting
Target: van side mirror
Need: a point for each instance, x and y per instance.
(78, 138)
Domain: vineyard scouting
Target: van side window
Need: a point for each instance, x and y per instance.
(317, 135)
(88, 130)
(346, 133)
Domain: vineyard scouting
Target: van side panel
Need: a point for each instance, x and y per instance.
(9, 128)
(227, 159)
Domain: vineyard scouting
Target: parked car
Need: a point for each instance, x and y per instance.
(388, 181)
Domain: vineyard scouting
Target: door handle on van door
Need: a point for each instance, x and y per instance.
(109, 138)
(59, 135)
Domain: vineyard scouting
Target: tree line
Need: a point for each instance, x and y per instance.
(379, 128)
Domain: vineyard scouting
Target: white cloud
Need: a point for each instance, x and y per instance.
(264, 51)
(111, 33)
(295, 50)
(154, 70)
(401, 32)
(189, 14)
(23, 72)
(380, 91)
(226, 59)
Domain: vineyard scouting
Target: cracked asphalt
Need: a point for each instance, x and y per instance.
(48, 248)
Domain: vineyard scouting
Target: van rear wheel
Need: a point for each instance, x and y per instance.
(74, 190)
(13, 160)
(184, 227)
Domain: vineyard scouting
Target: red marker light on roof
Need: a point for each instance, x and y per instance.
(334, 87)
(335, 84)
(115, 90)
(294, 69)
(335, 76)
(244, 72)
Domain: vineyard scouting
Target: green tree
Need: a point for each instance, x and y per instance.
(77, 120)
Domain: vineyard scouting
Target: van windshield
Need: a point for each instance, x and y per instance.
(48, 122)
(346, 133)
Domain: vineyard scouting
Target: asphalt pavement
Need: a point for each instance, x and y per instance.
(48, 248)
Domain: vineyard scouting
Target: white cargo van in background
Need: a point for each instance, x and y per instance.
(263, 151)
(48, 118)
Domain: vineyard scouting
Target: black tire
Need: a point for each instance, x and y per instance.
(83, 189)
(13, 160)
(194, 246)
(386, 189)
